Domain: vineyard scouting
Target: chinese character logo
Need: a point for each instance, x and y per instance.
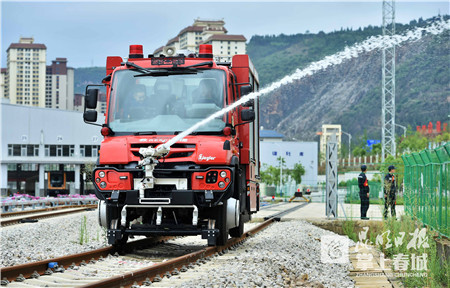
(334, 249)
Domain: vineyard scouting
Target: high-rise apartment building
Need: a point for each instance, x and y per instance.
(59, 85)
(28, 81)
(25, 78)
(206, 32)
(2, 83)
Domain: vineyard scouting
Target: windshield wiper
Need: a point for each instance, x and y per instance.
(137, 67)
(209, 63)
(145, 133)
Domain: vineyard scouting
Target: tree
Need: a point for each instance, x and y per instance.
(271, 175)
(297, 172)
(413, 143)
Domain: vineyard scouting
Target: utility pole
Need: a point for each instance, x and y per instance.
(388, 83)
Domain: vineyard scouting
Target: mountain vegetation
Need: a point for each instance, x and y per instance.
(350, 93)
(88, 75)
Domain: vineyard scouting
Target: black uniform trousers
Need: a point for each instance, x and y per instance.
(364, 204)
(389, 201)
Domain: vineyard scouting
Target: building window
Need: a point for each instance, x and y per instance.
(23, 150)
(301, 153)
(288, 153)
(89, 150)
(29, 167)
(274, 153)
(59, 150)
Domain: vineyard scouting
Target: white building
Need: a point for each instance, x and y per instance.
(304, 153)
(36, 141)
(25, 80)
(225, 46)
(325, 135)
(2, 83)
(206, 32)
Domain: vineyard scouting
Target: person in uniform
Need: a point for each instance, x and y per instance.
(136, 104)
(390, 189)
(363, 184)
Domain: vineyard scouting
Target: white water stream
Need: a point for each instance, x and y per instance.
(371, 44)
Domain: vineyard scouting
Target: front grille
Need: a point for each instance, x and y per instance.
(177, 150)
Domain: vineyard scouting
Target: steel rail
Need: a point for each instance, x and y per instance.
(280, 214)
(17, 220)
(139, 276)
(11, 273)
(25, 212)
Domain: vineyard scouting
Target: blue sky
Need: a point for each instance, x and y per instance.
(86, 32)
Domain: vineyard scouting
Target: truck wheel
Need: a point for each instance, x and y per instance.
(221, 224)
(239, 230)
(119, 245)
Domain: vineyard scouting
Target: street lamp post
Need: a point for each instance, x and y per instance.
(281, 169)
(349, 145)
(281, 175)
(404, 129)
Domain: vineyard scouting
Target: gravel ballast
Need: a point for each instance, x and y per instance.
(286, 254)
(50, 238)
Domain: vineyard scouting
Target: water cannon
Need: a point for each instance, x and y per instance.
(157, 152)
(148, 163)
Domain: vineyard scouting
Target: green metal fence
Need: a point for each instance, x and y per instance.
(353, 191)
(427, 185)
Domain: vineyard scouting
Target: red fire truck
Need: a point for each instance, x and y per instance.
(207, 183)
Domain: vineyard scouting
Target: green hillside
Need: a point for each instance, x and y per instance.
(277, 56)
(350, 93)
(85, 76)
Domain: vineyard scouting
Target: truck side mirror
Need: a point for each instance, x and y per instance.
(91, 98)
(248, 115)
(245, 89)
(90, 116)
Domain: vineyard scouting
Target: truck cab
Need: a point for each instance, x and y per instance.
(206, 183)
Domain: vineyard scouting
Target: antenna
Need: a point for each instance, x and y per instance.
(388, 83)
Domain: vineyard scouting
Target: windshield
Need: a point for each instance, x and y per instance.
(165, 103)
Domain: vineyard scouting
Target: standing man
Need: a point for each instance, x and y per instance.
(363, 184)
(390, 189)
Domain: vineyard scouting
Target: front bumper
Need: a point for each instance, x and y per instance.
(167, 195)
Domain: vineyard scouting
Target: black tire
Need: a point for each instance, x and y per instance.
(221, 224)
(119, 245)
(239, 230)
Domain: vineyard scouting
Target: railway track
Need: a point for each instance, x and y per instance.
(145, 261)
(12, 218)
